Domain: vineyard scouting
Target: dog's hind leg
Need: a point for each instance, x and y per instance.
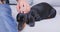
(52, 13)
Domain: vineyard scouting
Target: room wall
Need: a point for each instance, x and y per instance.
(52, 2)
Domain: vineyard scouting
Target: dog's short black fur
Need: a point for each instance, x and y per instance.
(43, 11)
(38, 12)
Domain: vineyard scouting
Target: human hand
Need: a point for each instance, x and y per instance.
(23, 6)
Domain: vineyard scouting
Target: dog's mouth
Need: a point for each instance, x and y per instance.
(21, 26)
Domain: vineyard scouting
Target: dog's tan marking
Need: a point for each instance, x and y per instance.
(24, 25)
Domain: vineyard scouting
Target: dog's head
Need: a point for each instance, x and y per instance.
(24, 19)
(21, 18)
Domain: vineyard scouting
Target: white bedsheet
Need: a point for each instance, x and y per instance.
(48, 25)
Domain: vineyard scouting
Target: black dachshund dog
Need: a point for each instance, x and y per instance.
(38, 12)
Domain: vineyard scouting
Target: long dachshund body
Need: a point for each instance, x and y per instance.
(38, 12)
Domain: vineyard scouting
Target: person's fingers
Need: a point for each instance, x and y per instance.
(18, 7)
(23, 7)
(27, 8)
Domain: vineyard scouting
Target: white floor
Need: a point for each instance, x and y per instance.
(49, 25)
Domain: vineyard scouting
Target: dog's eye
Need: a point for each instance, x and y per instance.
(18, 19)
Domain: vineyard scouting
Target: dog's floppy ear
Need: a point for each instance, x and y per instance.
(18, 17)
(31, 20)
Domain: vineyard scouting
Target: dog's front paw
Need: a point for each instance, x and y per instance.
(31, 24)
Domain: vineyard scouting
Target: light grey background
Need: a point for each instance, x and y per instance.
(52, 2)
